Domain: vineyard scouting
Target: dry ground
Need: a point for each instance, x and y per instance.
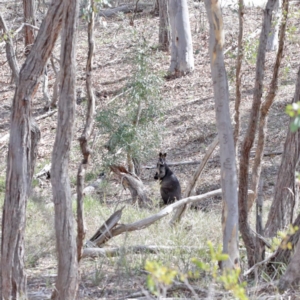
(188, 128)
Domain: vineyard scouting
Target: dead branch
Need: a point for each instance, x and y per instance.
(103, 233)
(127, 8)
(46, 115)
(117, 251)
(134, 184)
(19, 29)
(195, 162)
(141, 224)
(191, 184)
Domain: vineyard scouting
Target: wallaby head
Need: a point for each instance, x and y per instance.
(161, 167)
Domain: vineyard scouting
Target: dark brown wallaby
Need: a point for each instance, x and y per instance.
(170, 189)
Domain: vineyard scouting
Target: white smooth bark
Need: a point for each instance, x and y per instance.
(182, 59)
(272, 44)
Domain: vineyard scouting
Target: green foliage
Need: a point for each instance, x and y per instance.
(292, 29)
(86, 9)
(89, 176)
(293, 110)
(229, 278)
(2, 185)
(130, 124)
(250, 51)
(160, 277)
(282, 238)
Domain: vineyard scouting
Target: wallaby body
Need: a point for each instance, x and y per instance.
(170, 189)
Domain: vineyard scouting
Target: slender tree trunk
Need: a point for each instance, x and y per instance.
(256, 170)
(238, 75)
(20, 158)
(67, 275)
(10, 51)
(225, 133)
(29, 17)
(164, 25)
(182, 59)
(272, 44)
(247, 236)
(286, 191)
(85, 149)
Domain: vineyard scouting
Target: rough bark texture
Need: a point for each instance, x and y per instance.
(225, 133)
(67, 275)
(283, 253)
(247, 236)
(83, 140)
(262, 128)
(238, 75)
(164, 25)
(182, 59)
(10, 51)
(286, 192)
(19, 162)
(291, 274)
(29, 17)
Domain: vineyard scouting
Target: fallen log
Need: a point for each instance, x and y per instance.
(117, 251)
(141, 224)
(125, 9)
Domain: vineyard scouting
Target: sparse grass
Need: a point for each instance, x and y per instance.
(40, 241)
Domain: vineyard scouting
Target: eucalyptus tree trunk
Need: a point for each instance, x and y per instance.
(67, 275)
(20, 158)
(227, 150)
(286, 190)
(272, 43)
(29, 18)
(164, 25)
(83, 140)
(247, 235)
(182, 59)
(292, 274)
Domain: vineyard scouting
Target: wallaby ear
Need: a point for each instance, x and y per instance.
(164, 155)
(160, 155)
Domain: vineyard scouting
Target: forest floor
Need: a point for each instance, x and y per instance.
(187, 127)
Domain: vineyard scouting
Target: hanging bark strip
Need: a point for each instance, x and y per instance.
(238, 75)
(20, 164)
(66, 283)
(83, 140)
(247, 236)
(225, 134)
(262, 128)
